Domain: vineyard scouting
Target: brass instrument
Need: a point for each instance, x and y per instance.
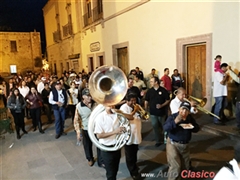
(70, 102)
(108, 86)
(200, 104)
(144, 114)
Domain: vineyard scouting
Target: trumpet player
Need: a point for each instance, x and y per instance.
(72, 98)
(179, 98)
(131, 147)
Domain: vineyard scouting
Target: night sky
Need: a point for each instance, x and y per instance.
(23, 16)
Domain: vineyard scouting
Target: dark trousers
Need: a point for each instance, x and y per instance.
(19, 121)
(87, 145)
(131, 158)
(36, 117)
(111, 160)
(72, 109)
(59, 115)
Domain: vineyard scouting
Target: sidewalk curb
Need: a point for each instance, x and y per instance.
(220, 132)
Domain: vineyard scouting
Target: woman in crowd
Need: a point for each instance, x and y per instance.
(24, 90)
(17, 104)
(72, 98)
(35, 101)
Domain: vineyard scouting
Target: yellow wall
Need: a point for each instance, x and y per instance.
(153, 28)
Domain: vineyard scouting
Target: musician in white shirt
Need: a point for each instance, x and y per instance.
(131, 147)
(106, 129)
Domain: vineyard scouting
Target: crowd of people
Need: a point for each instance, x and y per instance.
(164, 98)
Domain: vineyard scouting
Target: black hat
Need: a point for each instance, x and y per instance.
(85, 92)
(185, 105)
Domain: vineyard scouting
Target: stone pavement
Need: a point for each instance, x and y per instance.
(41, 156)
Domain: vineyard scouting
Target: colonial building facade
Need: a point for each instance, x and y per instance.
(148, 34)
(20, 51)
(63, 35)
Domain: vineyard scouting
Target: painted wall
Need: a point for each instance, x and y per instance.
(153, 28)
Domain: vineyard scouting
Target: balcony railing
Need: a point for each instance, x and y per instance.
(67, 29)
(56, 36)
(97, 13)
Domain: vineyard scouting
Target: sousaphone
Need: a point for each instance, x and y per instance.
(108, 86)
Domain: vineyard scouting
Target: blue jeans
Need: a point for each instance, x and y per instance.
(220, 104)
(59, 115)
(238, 113)
(157, 123)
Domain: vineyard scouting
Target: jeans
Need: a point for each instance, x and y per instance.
(220, 104)
(238, 113)
(157, 123)
(59, 115)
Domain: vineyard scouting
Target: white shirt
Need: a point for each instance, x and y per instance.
(24, 90)
(60, 97)
(136, 125)
(106, 123)
(73, 95)
(175, 104)
(226, 174)
(219, 89)
(40, 87)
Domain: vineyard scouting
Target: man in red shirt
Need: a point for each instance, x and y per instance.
(167, 80)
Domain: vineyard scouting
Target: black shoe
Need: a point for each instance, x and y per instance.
(25, 132)
(63, 134)
(157, 144)
(57, 136)
(18, 136)
(41, 131)
(34, 129)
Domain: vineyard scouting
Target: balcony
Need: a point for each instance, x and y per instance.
(56, 36)
(97, 13)
(92, 16)
(67, 29)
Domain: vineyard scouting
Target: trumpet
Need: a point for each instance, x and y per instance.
(200, 105)
(144, 114)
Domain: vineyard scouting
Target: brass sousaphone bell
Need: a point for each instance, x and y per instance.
(108, 86)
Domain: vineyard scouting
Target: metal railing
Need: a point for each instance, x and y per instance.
(56, 36)
(67, 29)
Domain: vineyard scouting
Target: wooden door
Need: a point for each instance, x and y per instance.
(90, 64)
(196, 70)
(122, 54)
(101, 62)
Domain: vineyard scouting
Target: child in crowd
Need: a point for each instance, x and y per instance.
(217, 64)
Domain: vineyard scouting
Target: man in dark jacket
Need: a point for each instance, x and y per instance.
(179, 127)
(58, 99)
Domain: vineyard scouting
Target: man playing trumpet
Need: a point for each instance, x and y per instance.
(131, 147)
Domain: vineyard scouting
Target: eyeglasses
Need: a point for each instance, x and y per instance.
(61, 95)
